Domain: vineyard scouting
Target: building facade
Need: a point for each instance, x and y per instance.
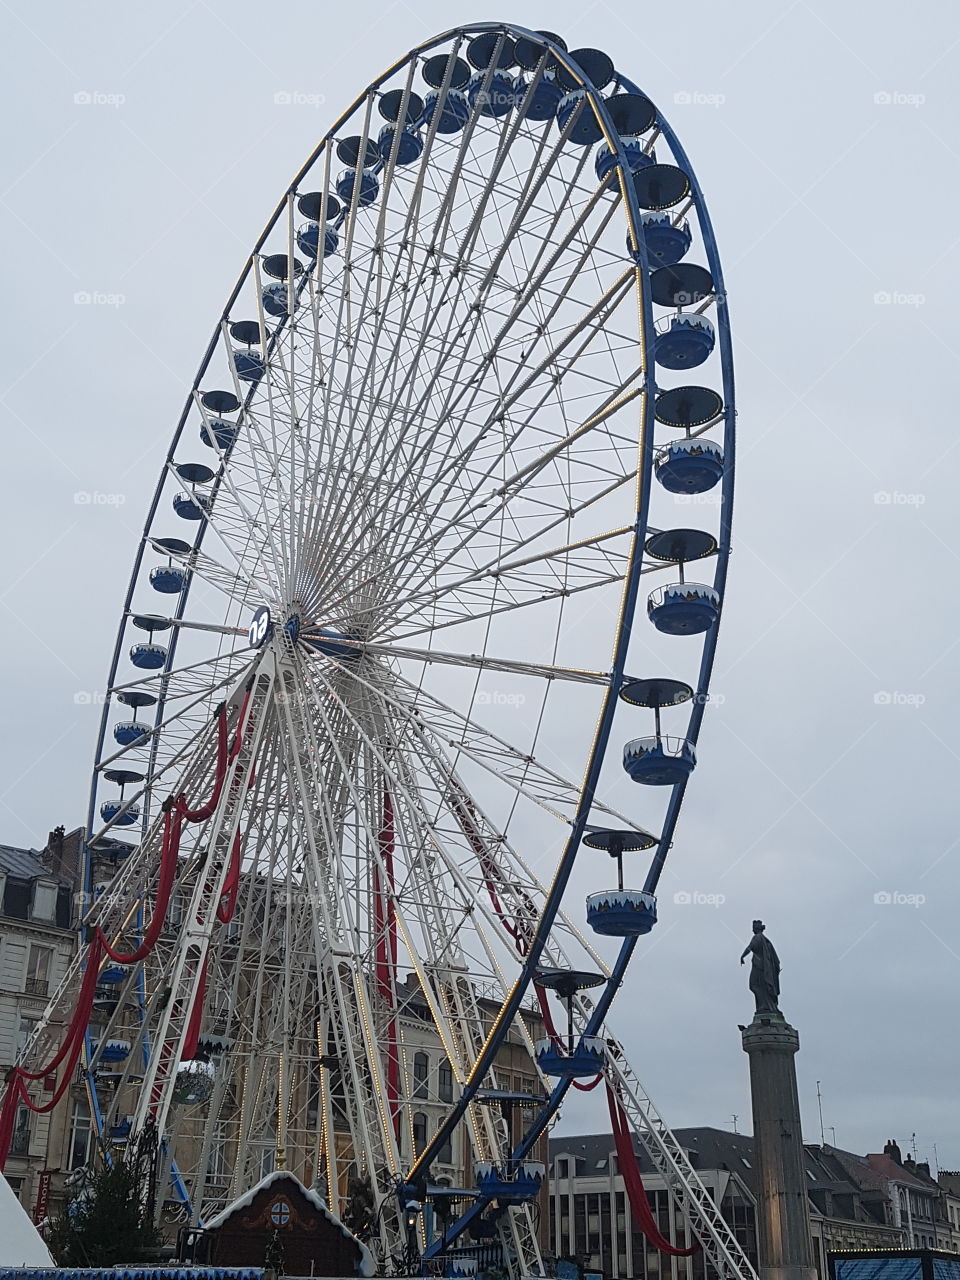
(37, 943)
(590, 1220)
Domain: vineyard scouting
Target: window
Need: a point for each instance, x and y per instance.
(419, 1132)
(24, 1032)
(16, 1186)
(16, 899)
(38, 971)
(268, 1161)
(45, 901)
(20, 1142)
(445, 1154)
(445, 1082)
(80, 1136)
(421, 1069)
(563, 1168)
(64, 907)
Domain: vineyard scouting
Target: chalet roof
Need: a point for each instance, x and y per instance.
(367, 1265)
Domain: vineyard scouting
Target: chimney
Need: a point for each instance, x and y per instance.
(923, 1166)
(54, 850)
(893, 1151)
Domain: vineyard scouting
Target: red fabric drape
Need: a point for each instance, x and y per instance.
(228, 898)
(639, 1204)
(385, 924)
(192, 1035)
(176, 813)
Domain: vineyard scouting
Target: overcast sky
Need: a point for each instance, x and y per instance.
(144, 151)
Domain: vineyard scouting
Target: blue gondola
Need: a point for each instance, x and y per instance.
(275, 298)
(691, 464)
(409, 148)
(685, 341)
(115, 1051)
(369, 186)
(112, 975)
(129, 733)
(168, 579)
(683, 608)
(191, 506)
(659, 761)
(218, 433)
(149, 657)
(665, 242)
(498, 98)
(118, 814)
(514, 1180)
(606, 158)
(621, 913)
(454, 114)
(308, 237)
(545, 99)
(586, 1059)
(587, 130)
(250, 365)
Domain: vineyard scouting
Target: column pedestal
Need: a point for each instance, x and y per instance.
(783, 1216)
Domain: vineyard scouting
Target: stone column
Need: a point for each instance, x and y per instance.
(783, 1216)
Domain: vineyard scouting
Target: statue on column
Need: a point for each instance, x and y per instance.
(764, 971)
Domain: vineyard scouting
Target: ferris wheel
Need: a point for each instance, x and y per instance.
(387, 669)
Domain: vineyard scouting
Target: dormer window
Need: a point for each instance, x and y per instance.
(45, 901)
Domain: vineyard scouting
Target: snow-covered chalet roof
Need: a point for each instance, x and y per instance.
(368, 1266)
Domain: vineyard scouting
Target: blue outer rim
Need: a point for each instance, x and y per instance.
(632, 579)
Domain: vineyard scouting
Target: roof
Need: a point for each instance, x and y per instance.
(888, 1168)
(368, 1266)
(20, 1243)
(24, 864)
(706, 1148)
(827, 1169)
